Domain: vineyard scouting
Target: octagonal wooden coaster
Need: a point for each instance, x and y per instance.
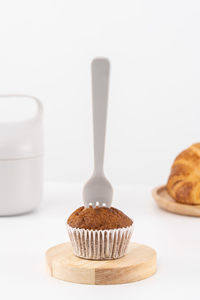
(139, 263)
(166, 202)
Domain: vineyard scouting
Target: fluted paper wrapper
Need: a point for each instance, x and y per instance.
(100, 244)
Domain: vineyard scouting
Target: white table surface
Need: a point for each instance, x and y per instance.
(24, 240)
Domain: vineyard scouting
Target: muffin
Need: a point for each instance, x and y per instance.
(99, 233)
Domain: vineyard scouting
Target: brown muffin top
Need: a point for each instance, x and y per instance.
(98, 218)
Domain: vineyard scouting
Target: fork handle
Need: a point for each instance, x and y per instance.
(100, 82)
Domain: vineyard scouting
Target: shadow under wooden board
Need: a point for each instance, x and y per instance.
(165, 201)
(139, 263)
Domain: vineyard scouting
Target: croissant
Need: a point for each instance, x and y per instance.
(184, 181)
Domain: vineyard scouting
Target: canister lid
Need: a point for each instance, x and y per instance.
(22, 138)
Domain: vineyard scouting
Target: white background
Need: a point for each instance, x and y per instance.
(45, 50)
(46, 47)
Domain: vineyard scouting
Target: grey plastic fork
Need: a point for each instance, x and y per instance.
(98, 190)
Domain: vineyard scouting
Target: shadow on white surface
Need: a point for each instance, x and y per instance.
(25, 239)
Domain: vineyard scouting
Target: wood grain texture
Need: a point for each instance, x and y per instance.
(139, 263)
(164, 201)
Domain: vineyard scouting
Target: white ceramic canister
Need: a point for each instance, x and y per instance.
(21, 161)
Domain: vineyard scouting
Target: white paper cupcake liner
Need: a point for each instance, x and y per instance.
(100, 244)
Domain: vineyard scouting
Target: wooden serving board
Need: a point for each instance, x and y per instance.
(165, 202)
(139, 263)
